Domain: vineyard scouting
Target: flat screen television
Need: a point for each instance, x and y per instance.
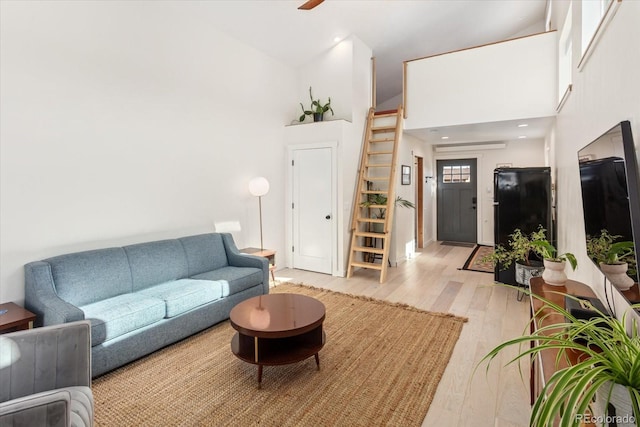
(610, 186)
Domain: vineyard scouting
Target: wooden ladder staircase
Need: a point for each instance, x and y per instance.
(374, 197)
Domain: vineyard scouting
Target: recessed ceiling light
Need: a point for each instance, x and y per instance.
(445, 137)
(336, 39)
(523, 125)
(522, 137)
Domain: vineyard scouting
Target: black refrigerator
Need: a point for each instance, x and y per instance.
(521, 199)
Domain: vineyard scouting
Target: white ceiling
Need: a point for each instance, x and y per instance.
(396, 31)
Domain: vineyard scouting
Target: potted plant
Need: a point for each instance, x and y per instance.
(614, 258)
(554, 264)
(316, 110)
(378, 199)
(520, 251)
(608, 367)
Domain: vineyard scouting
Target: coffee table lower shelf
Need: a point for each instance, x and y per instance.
(278, 351)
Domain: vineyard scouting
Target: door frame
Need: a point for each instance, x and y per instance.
(480, 184)
(418, 163)
(337, 250)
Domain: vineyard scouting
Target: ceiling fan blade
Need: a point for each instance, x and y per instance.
(310, 4)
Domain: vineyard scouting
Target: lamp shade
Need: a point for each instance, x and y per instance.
(258, 186)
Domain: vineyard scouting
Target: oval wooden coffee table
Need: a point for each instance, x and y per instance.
(277, 329)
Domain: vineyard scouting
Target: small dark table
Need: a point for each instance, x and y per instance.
(277, 329)
(15, 319)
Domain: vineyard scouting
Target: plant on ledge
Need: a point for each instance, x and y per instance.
(316, 110)
(608, 366)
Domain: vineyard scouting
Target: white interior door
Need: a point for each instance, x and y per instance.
(312, 210)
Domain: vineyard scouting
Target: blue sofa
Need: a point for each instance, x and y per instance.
(143, 297)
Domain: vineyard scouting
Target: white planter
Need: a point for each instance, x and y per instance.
(553, 273)
(617, 275)
(621, 403)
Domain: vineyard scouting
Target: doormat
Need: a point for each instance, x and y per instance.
(463, 244)
(474, 262)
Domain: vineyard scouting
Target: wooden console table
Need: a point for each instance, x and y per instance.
(545, 366)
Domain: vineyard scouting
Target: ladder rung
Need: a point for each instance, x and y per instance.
(377, 206)
(368, 250)
(383, 129)
(371, 220)
(367, 265)
(381, 140)
(377, 178)
(377, 153)
(385, 113)
(374, 192)
(378, 165)
(370, 234)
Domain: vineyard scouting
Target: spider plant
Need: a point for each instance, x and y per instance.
(610, 355)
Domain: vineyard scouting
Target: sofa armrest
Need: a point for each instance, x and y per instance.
(238, 259)
(41, 297)
(71, 406)
(48, 358)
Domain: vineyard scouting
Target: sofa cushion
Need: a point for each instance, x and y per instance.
(116, 316)
(156, 262)
(205, 252)
(234, 279)
(85, 277)
(183, 295)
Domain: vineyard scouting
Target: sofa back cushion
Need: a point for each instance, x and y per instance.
(85, 277)
(156, 262)
(205, 252)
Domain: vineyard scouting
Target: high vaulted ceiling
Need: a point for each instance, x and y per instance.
(396, 30)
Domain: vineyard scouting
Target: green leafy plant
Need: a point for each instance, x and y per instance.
(317, 107)
(379, 199)
(547, 251)
(520, 249)
(609, 355)
(605, 249)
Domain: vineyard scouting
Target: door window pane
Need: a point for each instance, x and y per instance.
(456, 174)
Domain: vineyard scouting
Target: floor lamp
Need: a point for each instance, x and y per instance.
(259, 187)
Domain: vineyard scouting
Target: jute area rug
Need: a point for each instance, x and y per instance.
(381, 365)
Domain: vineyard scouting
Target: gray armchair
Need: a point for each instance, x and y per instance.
(45, 376)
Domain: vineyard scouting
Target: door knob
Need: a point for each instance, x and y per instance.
(328, 216)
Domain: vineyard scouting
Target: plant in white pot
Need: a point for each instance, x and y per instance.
(614, 258)
(608, 367)
(554, 264)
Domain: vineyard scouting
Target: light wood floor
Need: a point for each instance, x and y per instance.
(432, 281)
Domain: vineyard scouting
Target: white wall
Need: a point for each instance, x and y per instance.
(605, 91)
(404, 232)
(503, 81)
(126, 122)
(344, 73)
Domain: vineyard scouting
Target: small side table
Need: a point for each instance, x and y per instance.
(15, 319)
(269, 254)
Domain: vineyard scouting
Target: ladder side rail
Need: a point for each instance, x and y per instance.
(391, 196)
(362, 171)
